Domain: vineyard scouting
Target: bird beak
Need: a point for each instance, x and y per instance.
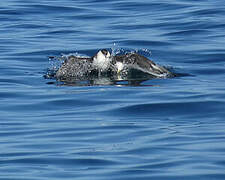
(118, 71)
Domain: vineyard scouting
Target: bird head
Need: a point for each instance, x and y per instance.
(103, 55)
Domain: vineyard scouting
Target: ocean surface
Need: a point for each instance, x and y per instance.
(169, 128)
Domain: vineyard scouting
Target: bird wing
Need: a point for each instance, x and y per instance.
(143, 64)
(74, 66)
(74, 59)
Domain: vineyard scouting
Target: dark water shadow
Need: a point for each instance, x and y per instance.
(135, 78)
(99, 82)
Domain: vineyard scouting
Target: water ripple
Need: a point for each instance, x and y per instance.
(158, 129)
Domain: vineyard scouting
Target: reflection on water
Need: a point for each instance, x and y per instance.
(101, 81)
(135, 78)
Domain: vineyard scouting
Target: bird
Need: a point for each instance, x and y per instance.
(79, 67)
(103, 61)
(135, 61)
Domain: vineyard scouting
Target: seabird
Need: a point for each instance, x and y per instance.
(75, 66)
(139, 62)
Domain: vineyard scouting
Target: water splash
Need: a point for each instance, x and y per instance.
(116, 50)
(76, 69)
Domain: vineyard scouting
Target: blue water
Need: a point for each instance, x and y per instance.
(159, 129)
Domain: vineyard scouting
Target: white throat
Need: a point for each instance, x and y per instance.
(119, 66)
(101, 61)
